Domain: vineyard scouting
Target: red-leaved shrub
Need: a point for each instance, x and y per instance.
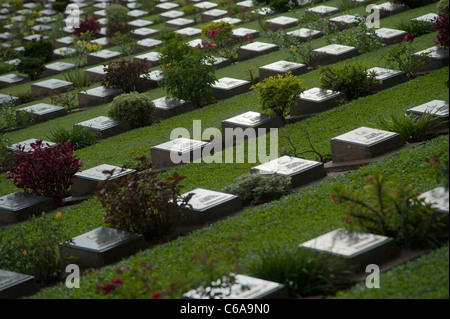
(46, 170)
(86, 25)
(442, 26)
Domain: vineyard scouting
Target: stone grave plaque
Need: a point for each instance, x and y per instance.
(105, 127)
(429, 17)
(143, 33)
(189, 32)
(323, 11)
(363, 143)
(50, 87)
(264, 11)
(254, 49)
(213, 14)
(139, 23)
(219, 62)
(390, 36)
(233, 21)
(64, 41)
(11, 79)
(95, 73)
(97, 96)
(439, 198)
(14, 285)
(334, 53)
(206, 5)
(208, 206)
(301, 171)
(438, 58)
(35, 37)
(245, 287)
(147, 44)
(63, 52)
(45, 20)
(304, 34)
(281, 22)
(102, 246)
(316, 100)
(43, 112)
(101, 5)
(356, 248)
(134, 5)
(389, 8)
(8, 98)
(151, 80)
(48, 12)
(100, 13)
(260, 123)
(167, 107)
(281, 67)
(103, 41)
(152, 58)
(41, 28)
(85, 183)
(19, 206)
(247, 3)
(173, 14)
(56, 68)
(137, 13)
(244, 32)
(343, 22)
(27, 145)
(196, 43)
(437, 108)
(180, 23)
(102, 56)
(181, 150)
(161, 7)
(388, 77)
(226, 87)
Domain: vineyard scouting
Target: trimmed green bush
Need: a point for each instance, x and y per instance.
(137, 109)
(258, 188)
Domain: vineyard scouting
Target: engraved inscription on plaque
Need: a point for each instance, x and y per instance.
(100, 123)
(439, 198)
(383, 74)
(101, 239)
(435, 107)
(286, 166)
(204, 199)
(249, 118)
(228, 83)
(365, 136)
(96, 173)
(318, 94)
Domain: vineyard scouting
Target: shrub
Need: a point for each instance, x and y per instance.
(303, 273)
(410, 127)
(46, 171)
(209, 29)
(442, 5)
(6, 156)
(277, 94)
(60, 5)
(187, 73)
(125, 42)
(68, 100)
(78, 136)
(5, 67)
(116, 12)
(125, 75)
(256, 188)
(78, 77)
(416, 27)
(354, 80)
(137, 109)
(88, 25)
(442, 26)
(33, 67)
(35, 249)
(42, 49)
(144, 203)
(390, 209)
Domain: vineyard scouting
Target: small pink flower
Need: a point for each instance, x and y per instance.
(408, 37)
(347, 220)
(156, 295)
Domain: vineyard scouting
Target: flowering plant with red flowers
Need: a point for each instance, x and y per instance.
(390, 209)
(442, 26)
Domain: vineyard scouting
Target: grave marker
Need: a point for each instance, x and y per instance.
(363, 143)
(304, 34)
(102, 56)
(301, 171)
(104, 126)
(15, 285)
(43, 112)
(255, 49)
(437, 108)
(97, 96)
(213, 14)
(180, 23)
(316, 100)
(151, 58)
(11, 80)
(390, 36)
(281, 22)
(102, 246)
(334, 53)
(389, 8)
(167, 107)
(323, 11)
(173, 14)
(85, 183)
(226, 87)
(183, 149)
(19, 206)
(438, 58)
(439, 198)
(56, 68)
(143, 33)
(208, 206)
(388, 77)
(343, 22)
(356, 248)
(281, 67)
(50, 87)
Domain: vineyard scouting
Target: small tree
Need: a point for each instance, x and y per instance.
(278, 93)
(188, 73)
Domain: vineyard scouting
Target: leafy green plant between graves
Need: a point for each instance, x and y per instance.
(78, 136)
(353, 79)
(410, 127)
(391, 209)
(137, 109)
(303, 272)
(256, 188)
